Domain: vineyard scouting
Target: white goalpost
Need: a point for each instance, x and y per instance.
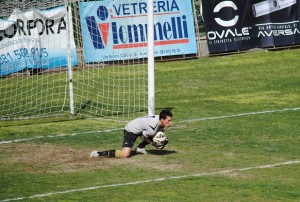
(70, 70)
(151, 74)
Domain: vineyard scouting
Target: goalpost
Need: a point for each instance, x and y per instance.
(53, 72)
(151, 74)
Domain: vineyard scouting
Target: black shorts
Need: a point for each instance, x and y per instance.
(129, 139)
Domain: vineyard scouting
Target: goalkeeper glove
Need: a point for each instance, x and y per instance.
(157, 145)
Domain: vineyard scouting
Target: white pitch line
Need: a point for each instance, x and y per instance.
(155, 180)
(183, 121)
(61, 135)
(239, 115)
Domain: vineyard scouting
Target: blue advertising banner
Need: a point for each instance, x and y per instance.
(34, 39)
(234, 25)
(117, 30)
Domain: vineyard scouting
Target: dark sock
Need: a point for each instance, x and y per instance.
(108, 153)
(142, 144)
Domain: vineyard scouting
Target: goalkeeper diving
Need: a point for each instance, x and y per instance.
(149, 128)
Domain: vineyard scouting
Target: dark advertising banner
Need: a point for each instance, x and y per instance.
(241, 25)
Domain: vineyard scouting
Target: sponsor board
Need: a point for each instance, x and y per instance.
(241, 25)
(34, 39)
(117, 30)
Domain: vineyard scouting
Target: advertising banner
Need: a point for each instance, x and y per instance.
(234, 25)
(34, 39)
(117, 30)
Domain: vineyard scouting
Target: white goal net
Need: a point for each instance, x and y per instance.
(87, 57)
(40, 39)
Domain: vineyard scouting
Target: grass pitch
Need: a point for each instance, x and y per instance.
(235, 137)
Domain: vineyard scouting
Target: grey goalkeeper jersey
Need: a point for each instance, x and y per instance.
(148, 126)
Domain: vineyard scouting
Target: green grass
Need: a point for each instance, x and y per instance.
(223, 87)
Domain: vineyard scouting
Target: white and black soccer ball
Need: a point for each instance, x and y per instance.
(161, 138)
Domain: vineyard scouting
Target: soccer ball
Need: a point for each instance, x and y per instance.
(161, 138)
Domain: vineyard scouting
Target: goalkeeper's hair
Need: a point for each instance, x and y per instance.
(164, 113)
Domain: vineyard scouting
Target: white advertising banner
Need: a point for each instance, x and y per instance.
(34, 39)
(117, 30)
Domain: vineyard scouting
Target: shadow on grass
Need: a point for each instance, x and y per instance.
(161, 152)
(156, 152)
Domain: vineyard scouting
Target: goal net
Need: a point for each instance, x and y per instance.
(56, 57)
(87, 57)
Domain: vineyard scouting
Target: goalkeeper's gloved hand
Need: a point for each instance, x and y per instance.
(165, 142)
(157, 145)
(161, 147)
